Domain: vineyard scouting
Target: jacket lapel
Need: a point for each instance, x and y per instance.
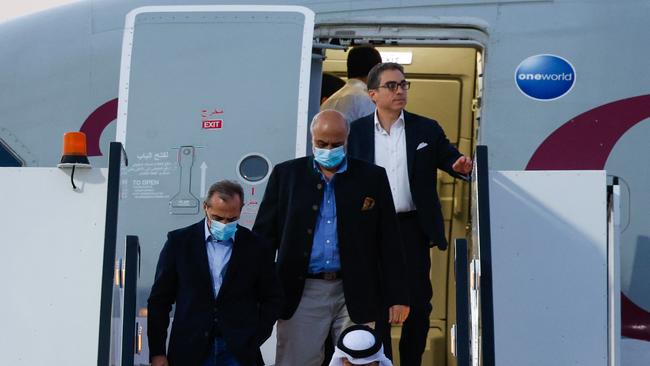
(410, 129)
(344, 195)
(312, 192)
(201, 253)
(367, 140)
(233, 263)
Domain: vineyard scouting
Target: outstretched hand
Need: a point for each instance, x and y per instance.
(463, 165)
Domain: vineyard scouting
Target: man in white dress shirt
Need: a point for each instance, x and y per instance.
(411, 148)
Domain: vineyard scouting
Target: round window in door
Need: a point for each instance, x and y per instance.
(254, 168)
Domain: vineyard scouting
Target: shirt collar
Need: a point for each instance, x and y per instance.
(208, 234)
(398, 123)
(342, 168)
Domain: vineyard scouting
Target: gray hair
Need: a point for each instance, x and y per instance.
(375, 73)
(226, 190)
(319, 114)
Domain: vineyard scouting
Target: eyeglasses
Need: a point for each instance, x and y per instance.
(392, 85)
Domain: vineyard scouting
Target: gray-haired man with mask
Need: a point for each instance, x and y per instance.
(333, 224)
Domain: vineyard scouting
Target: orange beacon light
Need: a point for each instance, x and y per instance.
(74, 151)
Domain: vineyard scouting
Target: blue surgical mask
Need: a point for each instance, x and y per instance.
(222, 231)
(329, 158)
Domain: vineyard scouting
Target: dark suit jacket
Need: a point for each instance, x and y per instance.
(248, 304)
(423, 165)
(369, 243)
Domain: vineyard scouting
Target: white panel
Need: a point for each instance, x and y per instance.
(52, 241)
(635, 352)
(549, 263)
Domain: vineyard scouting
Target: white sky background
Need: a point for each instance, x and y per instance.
(14, 8)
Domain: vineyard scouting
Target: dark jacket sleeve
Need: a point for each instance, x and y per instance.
(446, 152)
(392, 257)
(160, 301)
(266, 222)
(270, 295)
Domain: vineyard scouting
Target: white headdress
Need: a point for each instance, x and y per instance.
(359, 345)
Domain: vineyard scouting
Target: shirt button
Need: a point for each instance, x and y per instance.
(329, 222)
(327, 241)
(309, 231)
(328, 201)
(319, 186)
(327, 262)
(314, 207)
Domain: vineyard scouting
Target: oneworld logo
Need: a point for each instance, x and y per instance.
(545, 77)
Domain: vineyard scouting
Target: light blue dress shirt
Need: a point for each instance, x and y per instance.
(218, 257)
(325, 249)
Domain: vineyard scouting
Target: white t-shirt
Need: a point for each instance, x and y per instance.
(352, 100)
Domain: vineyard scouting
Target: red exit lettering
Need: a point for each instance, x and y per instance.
(211, 124)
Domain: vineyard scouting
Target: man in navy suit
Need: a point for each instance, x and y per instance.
(222, 279)
(411, 148)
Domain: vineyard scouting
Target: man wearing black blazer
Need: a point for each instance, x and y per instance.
(223, 281)
(411, 148)
(332, 221)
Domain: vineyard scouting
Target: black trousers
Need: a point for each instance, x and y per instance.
(418, 264)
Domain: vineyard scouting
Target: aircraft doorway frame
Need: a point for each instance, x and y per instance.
(421, 34)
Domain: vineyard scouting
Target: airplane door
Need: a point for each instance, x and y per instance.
(206, 93)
